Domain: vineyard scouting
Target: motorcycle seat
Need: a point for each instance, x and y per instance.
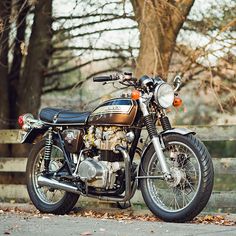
(58, 116)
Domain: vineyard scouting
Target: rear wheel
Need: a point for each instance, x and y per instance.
(190, 164)
(45, 199)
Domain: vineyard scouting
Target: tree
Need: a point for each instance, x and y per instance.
(22, 77)
(39, 52)
(5, 12)
(159, 23)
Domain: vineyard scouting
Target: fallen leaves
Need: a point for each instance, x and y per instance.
(126, 217)
(214, 219)
(122, 216)
(117, 215)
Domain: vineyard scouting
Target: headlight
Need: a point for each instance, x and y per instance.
(164, 95)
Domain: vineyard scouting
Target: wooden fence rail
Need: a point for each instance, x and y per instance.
(12, 169)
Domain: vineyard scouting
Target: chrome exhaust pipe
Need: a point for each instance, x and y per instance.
(52, 183)
(129, 192)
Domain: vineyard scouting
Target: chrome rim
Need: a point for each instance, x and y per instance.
(175, 195)
(46, 194)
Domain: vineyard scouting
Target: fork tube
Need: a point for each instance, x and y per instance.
(154, 138)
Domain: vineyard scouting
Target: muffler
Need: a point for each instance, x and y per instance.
(52, 183)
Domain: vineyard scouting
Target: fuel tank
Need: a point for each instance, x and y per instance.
(117, 112)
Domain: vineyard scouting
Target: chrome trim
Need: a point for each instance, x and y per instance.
(182, 131)
(52, 183)
(160, 155)
(143, 107)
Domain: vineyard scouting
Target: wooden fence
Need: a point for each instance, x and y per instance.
(12, 169)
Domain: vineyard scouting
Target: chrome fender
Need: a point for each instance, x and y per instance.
(182, 131)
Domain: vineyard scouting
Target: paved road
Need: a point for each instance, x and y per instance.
(38, 225)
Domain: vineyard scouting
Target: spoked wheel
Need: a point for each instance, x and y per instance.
(46, 199)
(186, 194)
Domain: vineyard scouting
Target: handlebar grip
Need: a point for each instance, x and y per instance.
(102, 78)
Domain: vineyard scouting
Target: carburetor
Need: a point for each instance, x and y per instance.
(105, 138)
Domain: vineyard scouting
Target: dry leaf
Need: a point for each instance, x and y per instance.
(23, 49)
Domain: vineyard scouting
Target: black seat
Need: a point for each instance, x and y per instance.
(60, 116)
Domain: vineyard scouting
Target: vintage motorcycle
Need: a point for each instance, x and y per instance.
(92, 154)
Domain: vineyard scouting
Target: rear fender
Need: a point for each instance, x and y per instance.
(30, 136)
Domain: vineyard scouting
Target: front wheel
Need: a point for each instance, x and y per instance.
(183, 197)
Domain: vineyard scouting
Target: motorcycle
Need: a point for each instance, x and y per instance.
(92, 154)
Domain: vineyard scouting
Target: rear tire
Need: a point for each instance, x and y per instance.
(185, 197)
(65, 201)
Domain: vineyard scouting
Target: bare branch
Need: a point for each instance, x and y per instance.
(93, 15)
(91, 48)
(50, 74)
(89, 24)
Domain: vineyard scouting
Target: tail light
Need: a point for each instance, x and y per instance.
(20, 121)
(24, 119)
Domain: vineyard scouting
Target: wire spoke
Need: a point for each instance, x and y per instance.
(46, 194)
(185, 168)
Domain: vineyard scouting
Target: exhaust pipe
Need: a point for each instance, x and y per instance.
(52, 183)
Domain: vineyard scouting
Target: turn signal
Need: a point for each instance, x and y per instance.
(177, 102)
(135, 95)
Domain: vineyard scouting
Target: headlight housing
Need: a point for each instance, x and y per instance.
(164, 95)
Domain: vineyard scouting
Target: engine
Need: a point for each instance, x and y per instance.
(101, 170)
(105, 138)
(99, 174)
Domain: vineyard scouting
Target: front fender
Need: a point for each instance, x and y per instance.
(30, 136)
(182, 131)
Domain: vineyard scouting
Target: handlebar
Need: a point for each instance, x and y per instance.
(127, 79)
(105, 78)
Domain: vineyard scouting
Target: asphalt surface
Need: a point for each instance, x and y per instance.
(27, 222)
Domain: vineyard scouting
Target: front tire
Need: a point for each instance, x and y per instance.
(45, 199)
(191, 167)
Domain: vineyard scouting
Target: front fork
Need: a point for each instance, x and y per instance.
(152, 131)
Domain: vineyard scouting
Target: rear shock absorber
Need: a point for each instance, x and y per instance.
(48, 150)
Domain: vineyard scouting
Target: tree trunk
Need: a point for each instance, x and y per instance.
(159, 22)
(39, 52)
(15, 71)
(5, 12)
